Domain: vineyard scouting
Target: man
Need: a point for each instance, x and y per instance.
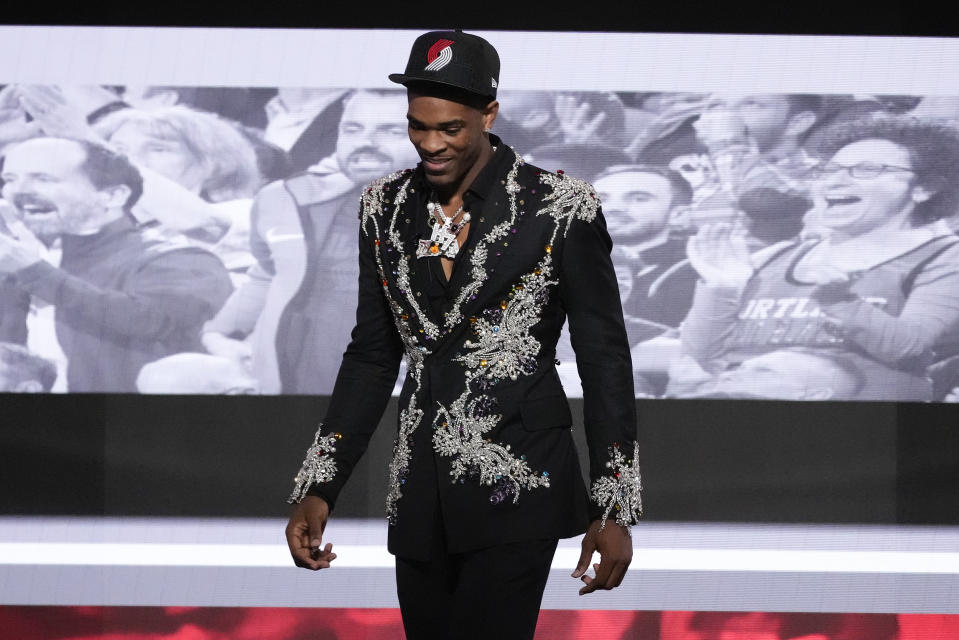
(24, 372)
(304, 239)
(303, 122)
(121, 298)
(743, 154)
(642, 204)
(470, 263)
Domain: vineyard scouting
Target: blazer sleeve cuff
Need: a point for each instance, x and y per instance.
(618, 492)
(319, 465)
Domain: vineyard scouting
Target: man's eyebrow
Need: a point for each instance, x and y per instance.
(458, 122)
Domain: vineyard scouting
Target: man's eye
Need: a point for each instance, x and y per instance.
(452, 131)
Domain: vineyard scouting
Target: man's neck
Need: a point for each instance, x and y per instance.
(635, 250)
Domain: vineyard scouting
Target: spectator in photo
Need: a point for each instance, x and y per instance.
(656, 283)
(200, 174)
(24, 372)
(743, 155)
(529, 120)
(196, 374)
(199, 171)
(641, 203)
(290, 316)
(537, 118)
(303, 121)
(881, 288)
(241, 105)
(121, 297)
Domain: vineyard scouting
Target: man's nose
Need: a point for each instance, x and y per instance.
(432, 142)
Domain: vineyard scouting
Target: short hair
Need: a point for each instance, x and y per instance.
(26, 365)
(106, 168)
(933, 149)
(215, 143)
(681, 189)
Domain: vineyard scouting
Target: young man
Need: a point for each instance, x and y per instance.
(470, 264)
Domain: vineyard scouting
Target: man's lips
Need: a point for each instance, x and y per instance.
(35, 209)
(436, 165)
(833, 200)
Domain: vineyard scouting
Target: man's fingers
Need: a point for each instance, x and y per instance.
(316, 526)
(616, 575)
(309, 557)
(609, 574)
(584, 557)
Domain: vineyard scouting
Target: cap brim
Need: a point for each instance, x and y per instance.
(403, 79)
(399, 78)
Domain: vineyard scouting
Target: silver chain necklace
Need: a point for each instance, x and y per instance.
(442, 241)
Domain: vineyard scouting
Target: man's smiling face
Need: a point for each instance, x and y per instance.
(858, 205)
(448, 136)
(44, 180)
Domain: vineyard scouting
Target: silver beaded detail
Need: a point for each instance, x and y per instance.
(621, 489)
(318, 465)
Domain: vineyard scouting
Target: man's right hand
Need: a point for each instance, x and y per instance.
(304, 534)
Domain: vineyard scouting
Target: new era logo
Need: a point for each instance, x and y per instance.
(439, 55)
(493, 80)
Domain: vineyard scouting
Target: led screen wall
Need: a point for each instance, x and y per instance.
(763, 249)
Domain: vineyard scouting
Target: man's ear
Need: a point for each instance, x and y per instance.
(116, 196)
(489, 114)
(680, 217)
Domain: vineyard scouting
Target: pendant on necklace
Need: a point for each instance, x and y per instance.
(442, 241)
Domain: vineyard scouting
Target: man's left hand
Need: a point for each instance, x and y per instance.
(615, 548)
(16, 255)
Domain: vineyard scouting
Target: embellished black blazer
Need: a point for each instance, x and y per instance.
(484, 441)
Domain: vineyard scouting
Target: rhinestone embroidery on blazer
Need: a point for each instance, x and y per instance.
(501, 348)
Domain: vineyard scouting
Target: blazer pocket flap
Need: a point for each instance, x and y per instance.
(546, 413)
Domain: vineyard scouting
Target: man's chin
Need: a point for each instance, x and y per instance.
(45, 231)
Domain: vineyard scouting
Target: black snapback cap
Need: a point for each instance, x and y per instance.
(455, 59)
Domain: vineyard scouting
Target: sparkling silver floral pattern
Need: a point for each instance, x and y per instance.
(375, 206)
(318, 466)
(458, 434)
(621, 489)
(569, 198)
(501, 347)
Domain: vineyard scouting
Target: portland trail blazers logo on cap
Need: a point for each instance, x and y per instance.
(439, 55)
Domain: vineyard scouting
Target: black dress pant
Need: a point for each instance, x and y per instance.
(487, 594)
